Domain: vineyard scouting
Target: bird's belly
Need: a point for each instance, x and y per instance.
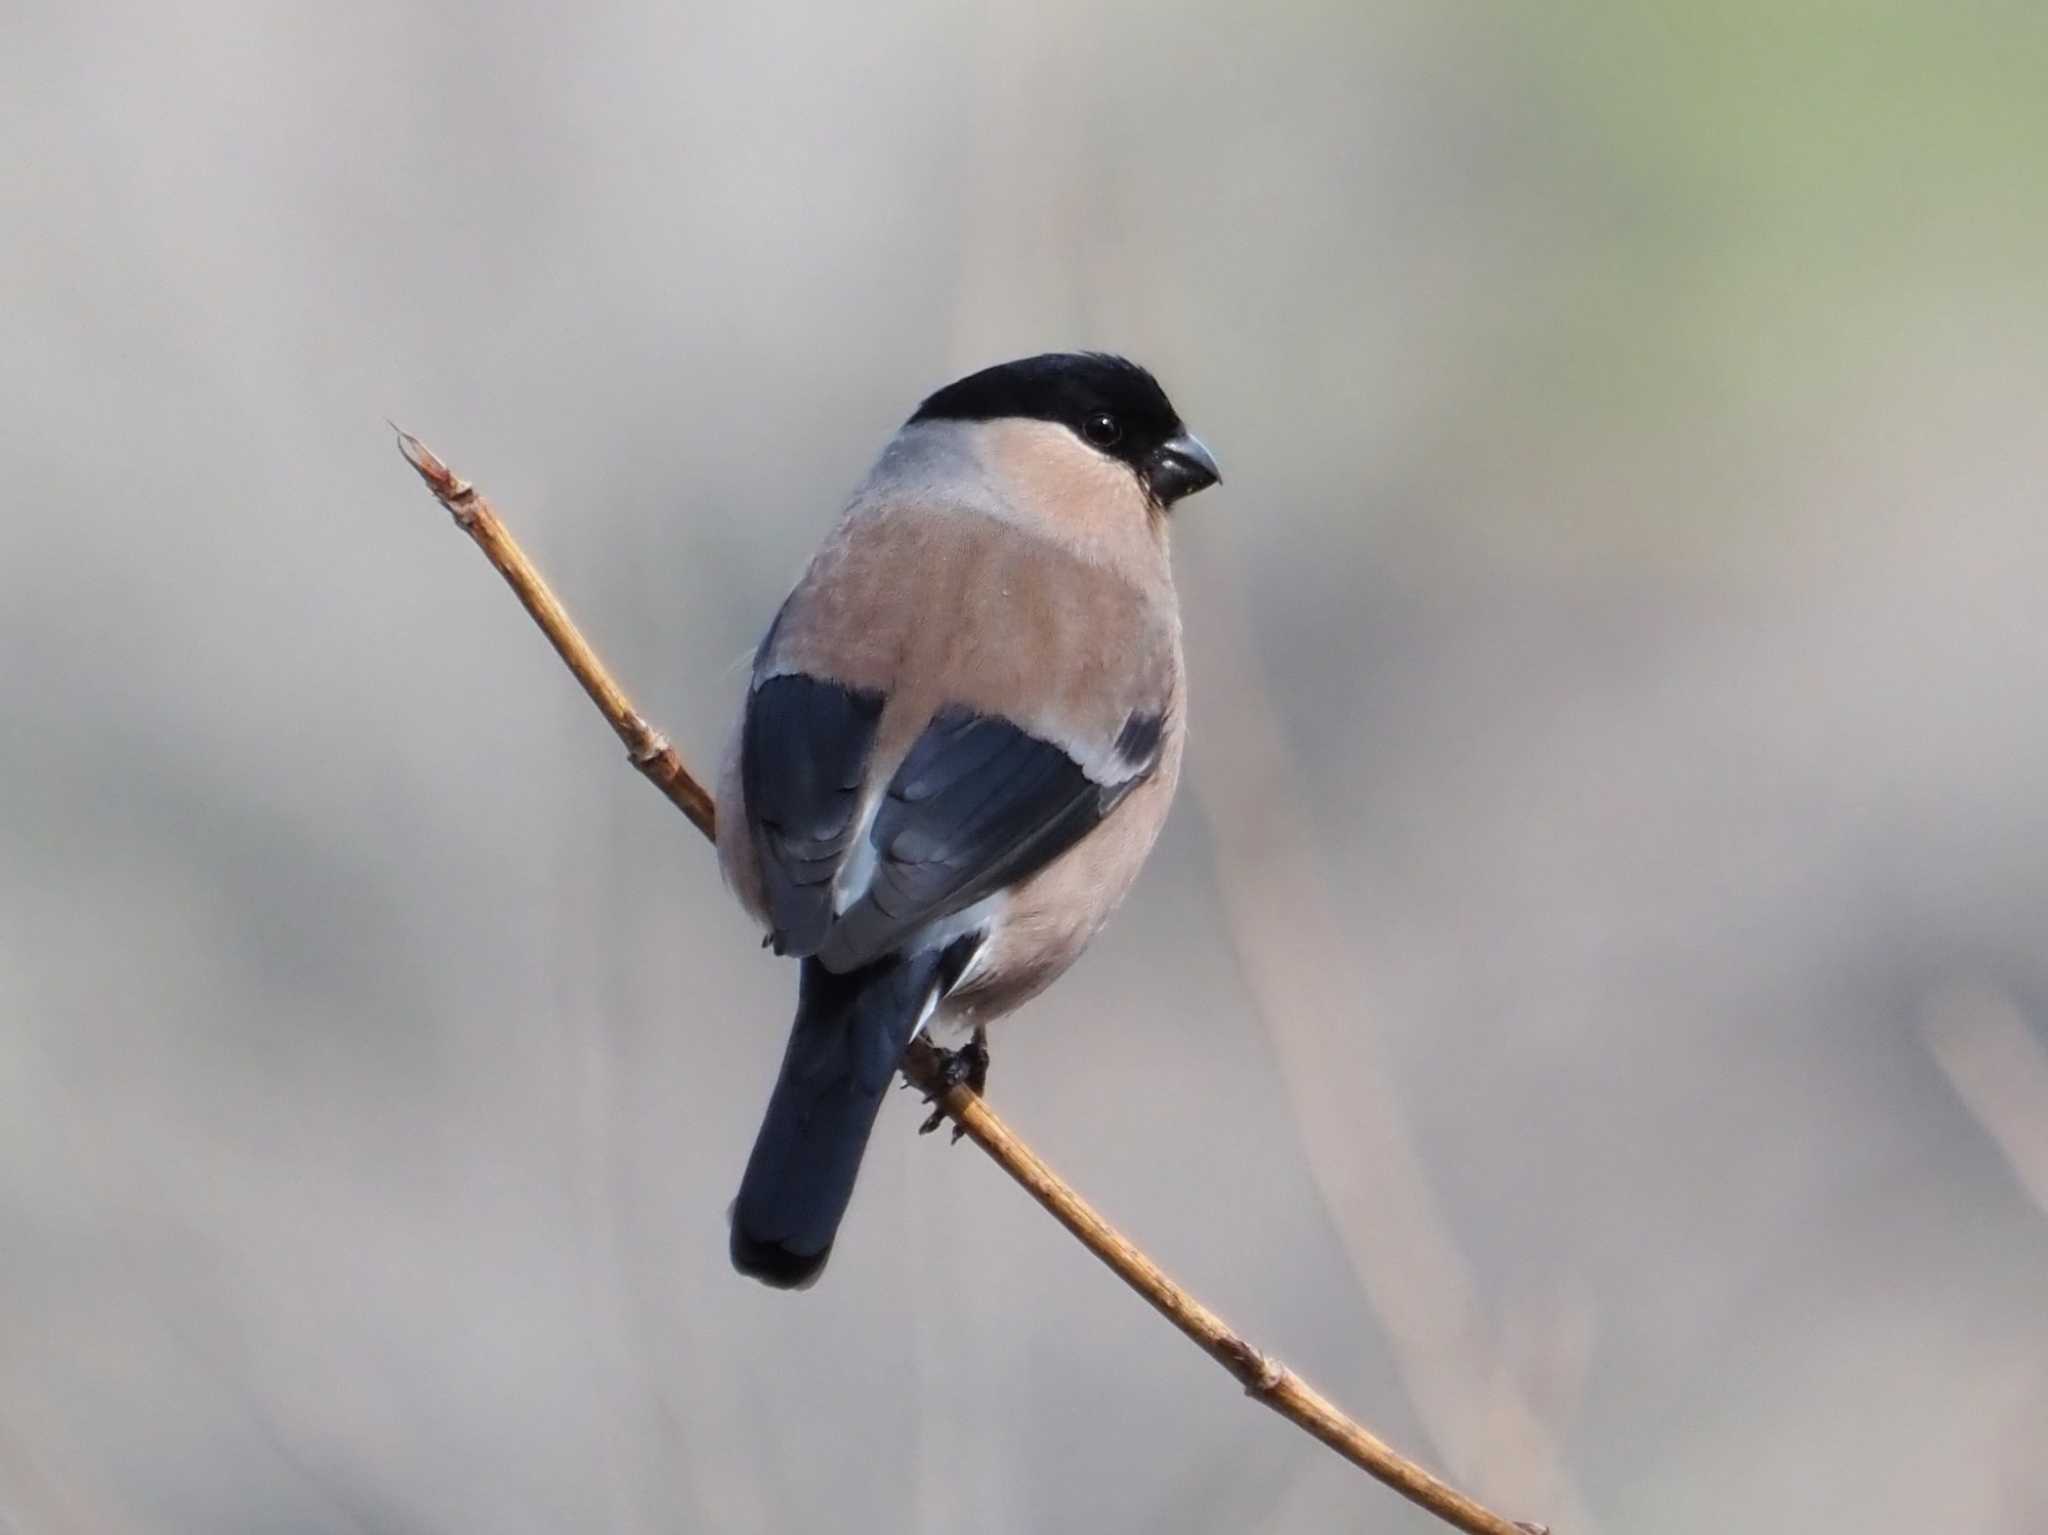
(1046, 921)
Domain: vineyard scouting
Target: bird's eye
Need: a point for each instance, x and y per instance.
(1102, 429)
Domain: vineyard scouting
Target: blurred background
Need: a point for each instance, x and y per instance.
(1588, 1012)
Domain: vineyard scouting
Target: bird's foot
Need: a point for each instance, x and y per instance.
(966, 1067)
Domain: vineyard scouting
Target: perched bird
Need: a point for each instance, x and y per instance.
(958, 744)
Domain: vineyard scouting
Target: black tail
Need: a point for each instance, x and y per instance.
(850, 1031)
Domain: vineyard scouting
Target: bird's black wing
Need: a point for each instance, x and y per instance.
(803, 757)
(977, 805)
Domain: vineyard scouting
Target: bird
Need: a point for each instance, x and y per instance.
(960, 737)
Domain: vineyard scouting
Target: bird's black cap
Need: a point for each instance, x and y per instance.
(1109, 402)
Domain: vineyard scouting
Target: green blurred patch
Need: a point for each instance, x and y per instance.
(1775, 194)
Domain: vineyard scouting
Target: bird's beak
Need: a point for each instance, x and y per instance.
(1180, 466)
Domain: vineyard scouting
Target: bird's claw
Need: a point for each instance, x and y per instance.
(966, 1067)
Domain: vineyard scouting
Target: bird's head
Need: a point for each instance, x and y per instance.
(1108, 406)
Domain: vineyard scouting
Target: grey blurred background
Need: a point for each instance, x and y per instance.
(1588, 1011)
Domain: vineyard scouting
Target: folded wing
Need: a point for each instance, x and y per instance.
(977, 805)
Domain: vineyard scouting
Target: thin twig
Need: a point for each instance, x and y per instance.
(1263, 1377)
(648, 747)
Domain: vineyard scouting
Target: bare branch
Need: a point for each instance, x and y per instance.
(1263, 1377)
(648, 747)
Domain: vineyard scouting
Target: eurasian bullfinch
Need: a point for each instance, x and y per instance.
(958, 744)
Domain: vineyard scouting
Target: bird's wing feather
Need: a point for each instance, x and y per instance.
(803, 758)
(976, 806)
